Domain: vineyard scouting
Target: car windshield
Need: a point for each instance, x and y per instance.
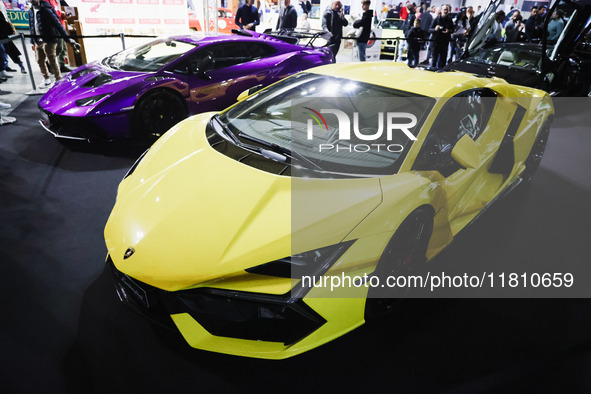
(529, 57)
(391, 24)
(149, 57)
(304, 114)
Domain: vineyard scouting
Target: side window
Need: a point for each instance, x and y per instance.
(197, 61)
(465, 113)
(181, 67)
(227, 55)
(260, 50)
(215, 57)
(184, 66)
(584, 44)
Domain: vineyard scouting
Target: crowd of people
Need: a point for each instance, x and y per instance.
(532, 30)
(431, 29)
(7, 49)
(444, 37)
(434, 30)
(48, 39)
(431, 33)
(47, 26)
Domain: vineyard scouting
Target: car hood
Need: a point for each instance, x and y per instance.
(192, 215)
(392, 33)
(90, 80)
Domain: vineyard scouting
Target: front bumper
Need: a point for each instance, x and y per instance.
(390, 47)
(87, 128)
(238, 322)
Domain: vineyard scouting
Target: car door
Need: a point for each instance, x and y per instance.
(483, 29)
(466, 191)
(561, 72)
(218, 73)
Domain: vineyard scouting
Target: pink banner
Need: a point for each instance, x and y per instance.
(97, 20)
(149, 21)
(124, 21)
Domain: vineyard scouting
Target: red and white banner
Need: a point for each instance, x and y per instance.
(150, 17)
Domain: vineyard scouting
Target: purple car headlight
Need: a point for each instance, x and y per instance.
(85, 102)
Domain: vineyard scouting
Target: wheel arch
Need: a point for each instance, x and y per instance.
(134, 123)
(376, 306)
(159, 89)
(428, 208)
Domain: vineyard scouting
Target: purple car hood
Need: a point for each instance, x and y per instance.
(90, 80)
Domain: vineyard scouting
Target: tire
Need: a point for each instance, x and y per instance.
(157, 112)
(532, 163)
(405, 254)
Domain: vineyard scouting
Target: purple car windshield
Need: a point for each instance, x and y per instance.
(149, 57)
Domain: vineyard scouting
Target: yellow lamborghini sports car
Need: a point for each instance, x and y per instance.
(234, 227)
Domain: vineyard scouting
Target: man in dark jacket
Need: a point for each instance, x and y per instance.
(247, 16)
(333, 21)
(45, 29)
(365, 24)
(441, 28)
(426, 20)
(408, 23)
(288, 20)
(532, 26)
(392, 13)
(472, 20)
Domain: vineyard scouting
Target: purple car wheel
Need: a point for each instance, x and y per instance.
(157, 112)
(404, 255)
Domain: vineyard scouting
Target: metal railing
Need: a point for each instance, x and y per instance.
(22, 37)
(123, 36)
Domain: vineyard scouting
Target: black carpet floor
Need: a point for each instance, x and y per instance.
(64, 330)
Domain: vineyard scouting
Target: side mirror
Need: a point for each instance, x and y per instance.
(248, 92)
(466, 152)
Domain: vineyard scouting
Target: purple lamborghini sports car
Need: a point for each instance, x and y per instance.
(145, 90)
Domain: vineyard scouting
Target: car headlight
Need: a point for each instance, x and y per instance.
(85, 102)
(312, 263)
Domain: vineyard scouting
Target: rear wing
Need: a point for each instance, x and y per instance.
(309, 38)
